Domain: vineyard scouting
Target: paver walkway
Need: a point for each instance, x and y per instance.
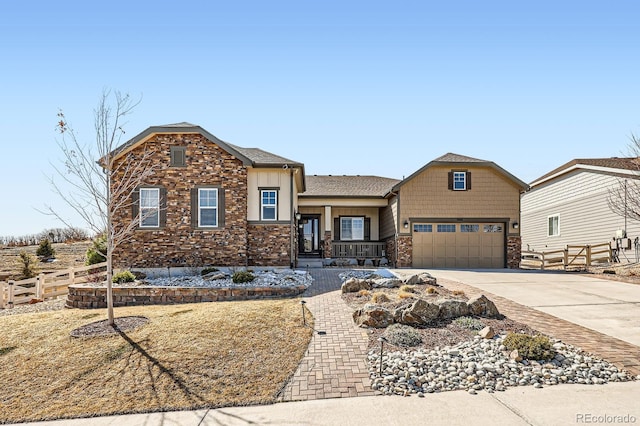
(622, 354)
(334, 365)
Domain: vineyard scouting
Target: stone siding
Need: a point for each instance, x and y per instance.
(405, 252)
(180, 242)
(269, 245)
(88, 297)
(514, 253)
(327, 245)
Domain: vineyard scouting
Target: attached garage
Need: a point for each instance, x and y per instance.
(458, 245)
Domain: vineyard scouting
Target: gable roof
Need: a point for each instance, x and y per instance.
(348, 186)
(249, 156)
(613, 165)
(451, 159)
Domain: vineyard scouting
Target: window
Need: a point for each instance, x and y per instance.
(268, 204)
(446, 228)
(352, 228)
(149, 207)
(469, 228)
(421, 227)
(208, 207)
(178, 156)
(492, 228)
(554, 226)
(459, 181)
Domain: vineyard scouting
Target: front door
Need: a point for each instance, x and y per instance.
(309, 238)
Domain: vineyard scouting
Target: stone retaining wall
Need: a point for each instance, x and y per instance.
(88, 297)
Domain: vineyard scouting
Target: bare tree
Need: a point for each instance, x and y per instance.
(100, 178)
(624, 198)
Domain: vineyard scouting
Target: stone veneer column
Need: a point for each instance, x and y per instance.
(327, 244)
(514, 251)
(405, 252)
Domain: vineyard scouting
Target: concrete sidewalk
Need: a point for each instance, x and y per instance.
(557, 405)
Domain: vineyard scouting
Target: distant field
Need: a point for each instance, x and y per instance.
(67, 255)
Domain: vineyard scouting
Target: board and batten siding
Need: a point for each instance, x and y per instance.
(580, 200)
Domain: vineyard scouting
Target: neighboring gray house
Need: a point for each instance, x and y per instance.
(569, 204)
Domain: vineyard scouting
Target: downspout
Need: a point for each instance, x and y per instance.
(396, 227)
(291, 218)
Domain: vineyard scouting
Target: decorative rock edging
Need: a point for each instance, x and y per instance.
(88, 297)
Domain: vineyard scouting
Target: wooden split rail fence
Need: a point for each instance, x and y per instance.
(48, 286)
(571, 255)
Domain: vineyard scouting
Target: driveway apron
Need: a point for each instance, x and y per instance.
(334, 365)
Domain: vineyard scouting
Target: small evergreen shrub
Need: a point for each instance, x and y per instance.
(469, 323)
(242, 277)
(124, 277)
(28, 264)
(94, 253)
(402, 335)
(379, 298)
(529, 347)
(208, 270)
(45, 249)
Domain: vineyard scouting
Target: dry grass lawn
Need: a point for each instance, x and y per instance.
(187, 356)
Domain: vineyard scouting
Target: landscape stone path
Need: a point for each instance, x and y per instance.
(335, 366)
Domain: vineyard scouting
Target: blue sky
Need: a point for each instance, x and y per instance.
(347, 87)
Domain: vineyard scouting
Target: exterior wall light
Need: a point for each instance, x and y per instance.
(515, 225)
(406, 224)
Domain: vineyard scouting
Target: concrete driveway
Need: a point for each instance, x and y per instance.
(609, 307)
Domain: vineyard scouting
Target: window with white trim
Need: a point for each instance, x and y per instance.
(553, 229)
(268, 204)
(208, 207)
(149, 207)
(352, 228)
(459, 181)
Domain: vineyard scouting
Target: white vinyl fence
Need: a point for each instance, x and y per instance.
(48, 286)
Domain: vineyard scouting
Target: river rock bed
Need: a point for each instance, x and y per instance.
(269, 278)
(484, 364)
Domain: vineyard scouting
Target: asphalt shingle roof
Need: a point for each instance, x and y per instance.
(348, 186)
(259, 156)
(450, 157)
(622, 163)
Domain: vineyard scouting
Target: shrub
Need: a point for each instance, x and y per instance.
(124, 277)
(529, 347)
(469, 322)
(94, 253)
(408, 288)
(458, 293)
(45, 250)
(431, 290)
(379, 297)
(208, 270)
(402, 335)
(364, 293)
(405, 295)
(28, 264)
(242, 277)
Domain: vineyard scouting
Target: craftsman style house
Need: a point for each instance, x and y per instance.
(209, 202)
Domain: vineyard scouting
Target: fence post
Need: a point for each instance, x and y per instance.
(2, 288)
(39, 289)
(72, 276)
(588, 260)
(566, 257)
(10, 302)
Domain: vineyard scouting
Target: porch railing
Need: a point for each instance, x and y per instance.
(358, 250)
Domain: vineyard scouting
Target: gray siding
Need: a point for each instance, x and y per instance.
(580, 200)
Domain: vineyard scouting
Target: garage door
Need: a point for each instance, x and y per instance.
(456, 245)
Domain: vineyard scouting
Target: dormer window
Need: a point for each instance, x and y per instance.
(178, 156)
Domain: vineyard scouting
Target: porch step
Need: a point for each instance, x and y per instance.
(309, 263)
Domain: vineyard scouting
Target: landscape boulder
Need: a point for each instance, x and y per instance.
(419, 312)
(213, 276)
(386, 283)
(487, 333)
(452, 308)
(373, 316)
(421, 278)
(481, 306)
(353, 285)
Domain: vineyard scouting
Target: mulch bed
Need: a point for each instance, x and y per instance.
(103, 328)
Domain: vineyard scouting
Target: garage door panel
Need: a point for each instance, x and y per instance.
(445, 245)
